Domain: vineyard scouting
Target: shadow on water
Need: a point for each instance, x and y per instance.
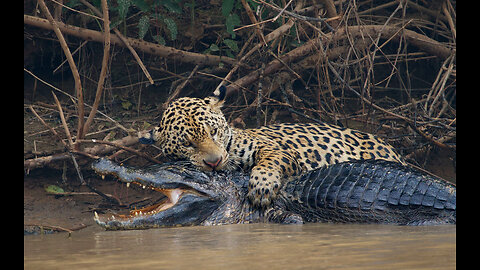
(249, 246)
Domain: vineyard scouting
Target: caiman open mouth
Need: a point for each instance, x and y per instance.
(172, 195)
(186, 202)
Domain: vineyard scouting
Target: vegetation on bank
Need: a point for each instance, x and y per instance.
(386, 67)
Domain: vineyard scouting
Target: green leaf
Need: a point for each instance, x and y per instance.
(143, 25)
(229, 54)
(126, 105)
(231, 44)
(232, 21)
(114, 23)
(172, 27)
(227, 7)
(214, 48)
(53, 189)
(159, 39)
(123, 6)
(172, 6)
(143, 5)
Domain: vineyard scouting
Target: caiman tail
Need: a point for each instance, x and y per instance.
(371, 192)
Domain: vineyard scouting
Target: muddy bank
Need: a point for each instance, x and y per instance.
(45, 212)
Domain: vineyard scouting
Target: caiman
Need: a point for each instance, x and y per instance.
(353, 192)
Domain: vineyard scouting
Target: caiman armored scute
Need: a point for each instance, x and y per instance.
(358, 192)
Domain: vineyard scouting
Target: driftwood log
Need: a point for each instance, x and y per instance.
(144, 46)
(97, 150)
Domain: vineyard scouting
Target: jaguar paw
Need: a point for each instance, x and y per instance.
(262, 193)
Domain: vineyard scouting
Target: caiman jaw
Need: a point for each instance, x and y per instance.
(173, 195)
(185, 204)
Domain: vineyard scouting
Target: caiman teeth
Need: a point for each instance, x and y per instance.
(173, 196)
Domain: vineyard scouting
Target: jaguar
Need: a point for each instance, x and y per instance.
(195, 129)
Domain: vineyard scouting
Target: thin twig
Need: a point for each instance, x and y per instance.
(297, 16)
(254, 21)
(77, 168)
(64, 123)
(181, 86)
(71, 62)
(125, 41)
(103, 72)
(75, 99)
(273, 35)
(74, 52)
(430, 138)
(334, 71)
(49, 127)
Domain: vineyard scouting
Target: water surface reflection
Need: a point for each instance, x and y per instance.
(249, 246)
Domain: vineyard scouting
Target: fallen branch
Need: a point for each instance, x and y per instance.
(254, 21)
(430, 138)
(96, 150)
(384, 31)
(271, 36)
(131, 150)
(147, 47)
(56, 228)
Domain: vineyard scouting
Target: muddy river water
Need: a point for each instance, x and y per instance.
(248, 246)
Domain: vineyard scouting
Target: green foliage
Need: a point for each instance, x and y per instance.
(172, 27)
(143, 5)
(172, 5)
(214, 48)
(123, 6)
(231, 21)
(143, 25)
(53, 189)
(231, 44)
(126, 105)
(227, 7)
(158, 20)
(162, 11)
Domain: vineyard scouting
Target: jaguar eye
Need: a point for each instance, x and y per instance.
(213, 132)
(188, 144)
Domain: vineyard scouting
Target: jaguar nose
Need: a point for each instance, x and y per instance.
(213, 161)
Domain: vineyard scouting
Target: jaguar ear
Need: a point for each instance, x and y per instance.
(216, 102)
(220, 92)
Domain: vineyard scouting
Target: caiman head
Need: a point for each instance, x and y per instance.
(193, 197)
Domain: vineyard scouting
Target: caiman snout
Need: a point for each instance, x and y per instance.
(213, 161)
